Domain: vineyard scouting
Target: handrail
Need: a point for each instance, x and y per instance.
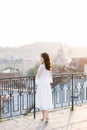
(22, 91)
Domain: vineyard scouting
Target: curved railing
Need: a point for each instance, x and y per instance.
(17, 94)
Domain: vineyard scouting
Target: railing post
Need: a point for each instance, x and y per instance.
(72, 107)
(34, 98)
(0, 108)
(54, 98)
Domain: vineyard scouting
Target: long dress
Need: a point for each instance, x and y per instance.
(43, 93)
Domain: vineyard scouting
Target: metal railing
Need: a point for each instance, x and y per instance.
(69, 89)
(17, 95)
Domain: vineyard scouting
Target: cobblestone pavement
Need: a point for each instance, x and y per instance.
(60, 119)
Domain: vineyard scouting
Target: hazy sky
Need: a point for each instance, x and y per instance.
(28, 21)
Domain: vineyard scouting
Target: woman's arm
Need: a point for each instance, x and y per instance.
(50, 77)
(40, 70)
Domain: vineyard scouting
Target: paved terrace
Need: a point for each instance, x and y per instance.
(60, 119)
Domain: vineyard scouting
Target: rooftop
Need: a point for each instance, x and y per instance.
(60, 119)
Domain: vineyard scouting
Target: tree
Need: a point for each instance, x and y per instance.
(33, 71)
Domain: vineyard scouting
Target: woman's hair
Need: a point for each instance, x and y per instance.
(47, 62)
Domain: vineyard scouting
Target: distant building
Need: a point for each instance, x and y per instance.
(61, 57)
(17, 64)
(78, 64)
(12, 62)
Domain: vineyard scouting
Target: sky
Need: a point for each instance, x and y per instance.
(28, 21)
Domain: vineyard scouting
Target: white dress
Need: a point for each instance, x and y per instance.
(43, 93)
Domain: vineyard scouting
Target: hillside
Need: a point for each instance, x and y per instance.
(35, 49)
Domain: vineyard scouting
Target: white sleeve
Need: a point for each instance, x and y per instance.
(40, 70)
(50, 77)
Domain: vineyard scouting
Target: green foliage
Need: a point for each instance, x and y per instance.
(11, 68)
(33, 71)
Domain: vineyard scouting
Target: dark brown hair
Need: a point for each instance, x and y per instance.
(47, 62)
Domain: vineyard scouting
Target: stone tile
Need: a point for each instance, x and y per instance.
(60, 119)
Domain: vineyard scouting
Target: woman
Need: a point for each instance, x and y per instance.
(43, 80)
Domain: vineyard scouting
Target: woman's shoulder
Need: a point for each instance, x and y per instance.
(42, 66)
